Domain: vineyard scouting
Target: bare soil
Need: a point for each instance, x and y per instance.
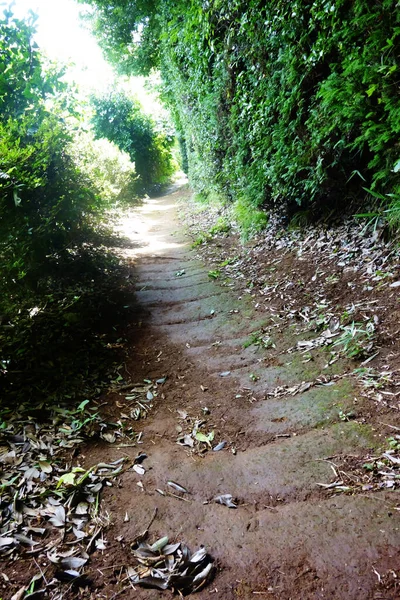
(288, 538)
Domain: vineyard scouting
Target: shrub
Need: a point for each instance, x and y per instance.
(279, 103)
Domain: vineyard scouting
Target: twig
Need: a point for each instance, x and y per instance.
(142, 536)
(176, 496)
(41, 572)
(391, 426)
(120, 592)
(94, 536)
(377, 574)
(365, 362)
(124, 387)
(112, 567)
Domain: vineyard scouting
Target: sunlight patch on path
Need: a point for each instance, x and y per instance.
(146, 234)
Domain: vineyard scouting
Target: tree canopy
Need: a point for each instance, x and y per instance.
(281, 105)
(121, 120)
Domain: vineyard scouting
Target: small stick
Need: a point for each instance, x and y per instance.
(92, 539)
(126, 446)
(176, 496)
(41, 572)
(391, 426)
(125, 387)
(142, 536)
(120, 592)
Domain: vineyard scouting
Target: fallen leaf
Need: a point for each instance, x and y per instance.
(6, 542)
(177, 487)
(100, 544)
(59, 517)
(187, 440)
(139, 469)
(225, 499)
(108, 437)
(207, 439)
(219, 446)
(73, 562)
(20, 594)
(45, 466)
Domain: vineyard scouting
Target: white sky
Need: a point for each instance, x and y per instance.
(62, 36)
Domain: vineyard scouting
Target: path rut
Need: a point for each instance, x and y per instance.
(287, 538)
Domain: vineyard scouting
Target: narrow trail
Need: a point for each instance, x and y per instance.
(288, 538)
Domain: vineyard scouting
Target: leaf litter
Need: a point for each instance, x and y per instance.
(196, 439)
(47, 506)
(140, 397)
(163, 566)
(360, 474)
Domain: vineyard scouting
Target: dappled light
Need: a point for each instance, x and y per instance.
(199, 300)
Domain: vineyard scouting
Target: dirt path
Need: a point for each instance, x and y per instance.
(288, 537)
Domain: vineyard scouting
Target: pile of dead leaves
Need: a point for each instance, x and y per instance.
(48, 507)
(195, 433)
(366, 473)
(138, 398)
(171, 566)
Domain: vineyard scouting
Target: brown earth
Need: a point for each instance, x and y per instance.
(288, 538)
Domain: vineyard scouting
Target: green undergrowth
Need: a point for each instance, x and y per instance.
(65, 338)
(249, 219)
(240, 215)
(63, 293)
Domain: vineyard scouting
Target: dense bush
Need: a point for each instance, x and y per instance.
(121, 120)
(280, 104)
(57, 291)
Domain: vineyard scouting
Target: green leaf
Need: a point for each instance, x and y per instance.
(68, 479)
(202, 437)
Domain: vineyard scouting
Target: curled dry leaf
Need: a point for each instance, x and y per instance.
(186, 440)
(73, 562)
(20, 594)
(139, 469)
(219, 446)
(226, 500)
(177, 487)
(58, 520)
(109, 437)
(6, 542)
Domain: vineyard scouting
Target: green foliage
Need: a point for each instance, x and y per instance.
(249, 218)
(119, 26)
(57, 292)
(356, 340)
(276, 104)
(260, 339)
(221, 226)
(110, 170)
(121, 120)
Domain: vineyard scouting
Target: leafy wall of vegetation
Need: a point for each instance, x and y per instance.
(278, 104)
(121, 120)
(58, 289)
